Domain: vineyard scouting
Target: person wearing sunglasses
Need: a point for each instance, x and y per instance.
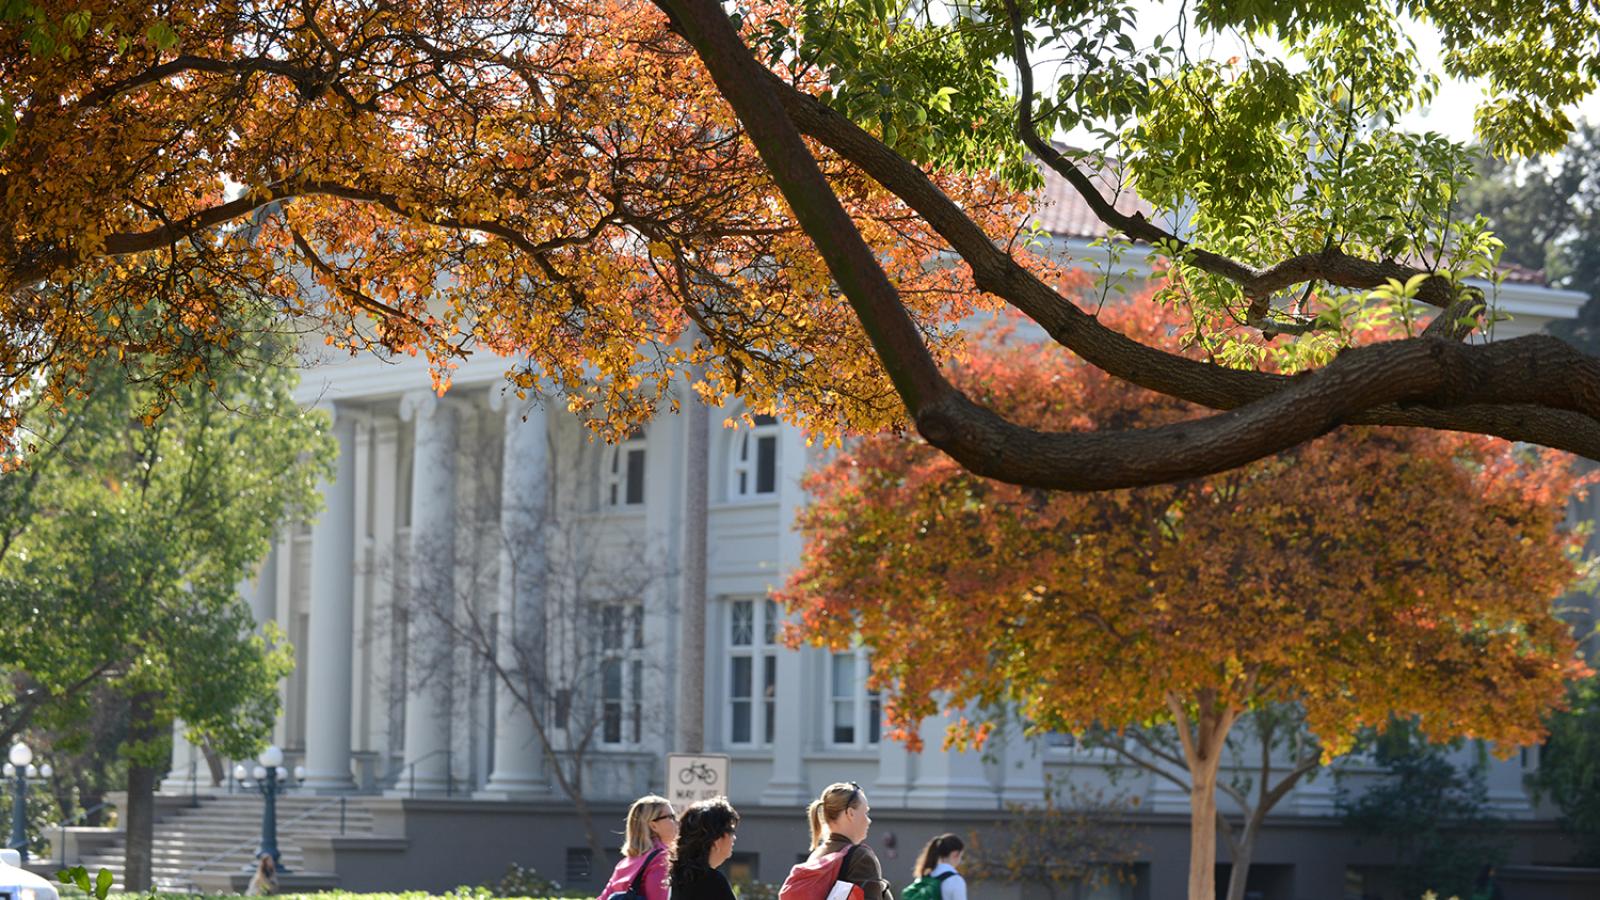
(839, 820)
(705, 841)
(652, 826)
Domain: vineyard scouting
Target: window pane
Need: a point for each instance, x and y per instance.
(769, 630)
(611, 627)
(739, 692)
(611, 679)
(844, 722)
(635, 477)
(635, 695)
(844, 675)
(765, 420)
(766, 464)
(874, 717)
(612, 730)
(743, 628)
(769, 691)
(744, 447)
(637, 611)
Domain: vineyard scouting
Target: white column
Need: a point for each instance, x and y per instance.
(947, 779)
(1021, 774)
(283, 616)
(332, 624)
(787, 783)
(385, 735)
(518, 767)
(431, 596)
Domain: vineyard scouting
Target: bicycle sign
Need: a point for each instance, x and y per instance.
(692, 777)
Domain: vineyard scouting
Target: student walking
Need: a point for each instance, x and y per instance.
(839, 822)
(705, 841)
(935, 873)
(651, 827)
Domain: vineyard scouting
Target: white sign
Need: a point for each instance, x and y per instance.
(692, 777)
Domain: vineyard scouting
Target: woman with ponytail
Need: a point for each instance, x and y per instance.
(839, 821)
(935, 872)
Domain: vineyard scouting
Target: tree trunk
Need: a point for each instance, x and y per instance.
(1239, 872)
(690, 736)
(597, 854)
(1203, 829)
(144, 732)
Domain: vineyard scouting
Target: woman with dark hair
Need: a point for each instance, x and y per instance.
(935, 872)
(705, 841)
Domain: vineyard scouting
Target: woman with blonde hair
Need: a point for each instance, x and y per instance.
(839, 821)
(651, 827)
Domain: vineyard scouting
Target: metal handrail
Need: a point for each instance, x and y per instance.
(61, 827)
(245, 845)
(411, 767)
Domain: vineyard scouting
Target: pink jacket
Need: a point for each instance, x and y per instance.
(654, 883)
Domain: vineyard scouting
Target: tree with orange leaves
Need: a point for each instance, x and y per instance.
(1367, 575)
(572, 183)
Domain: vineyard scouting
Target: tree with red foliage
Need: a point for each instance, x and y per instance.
(1370, 574)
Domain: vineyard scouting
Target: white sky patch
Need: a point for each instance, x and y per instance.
(1450, 112)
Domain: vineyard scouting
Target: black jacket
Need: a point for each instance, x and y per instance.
(692, 881)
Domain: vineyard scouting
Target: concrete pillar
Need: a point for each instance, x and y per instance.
(431, 599)
(948, 779)
(518, 765)
(1021, 766)
(332, 625)
(787, 784)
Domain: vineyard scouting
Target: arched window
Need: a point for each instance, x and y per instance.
(754, 472)
(622, 481)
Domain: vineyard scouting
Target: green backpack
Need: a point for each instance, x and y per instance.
(926, 888)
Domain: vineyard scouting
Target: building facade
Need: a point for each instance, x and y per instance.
(498, 517)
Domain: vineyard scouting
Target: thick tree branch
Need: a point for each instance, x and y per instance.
(1198, 382)
(1330, 264)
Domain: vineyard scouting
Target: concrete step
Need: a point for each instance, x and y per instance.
(216, 840)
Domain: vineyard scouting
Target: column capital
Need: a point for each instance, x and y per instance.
(343, 412)
(424, 404)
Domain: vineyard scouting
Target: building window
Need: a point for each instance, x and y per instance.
(623, 483)
(621, 673)
(855, 713)
(755, 460)
(752, 671)
(579, 864)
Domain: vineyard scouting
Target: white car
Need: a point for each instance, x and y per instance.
(20, 884)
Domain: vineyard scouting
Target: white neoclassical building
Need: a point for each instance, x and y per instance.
(429, 493)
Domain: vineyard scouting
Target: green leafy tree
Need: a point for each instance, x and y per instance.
(1569, 768)
(128, 535)
(1433, 816)
(1547, 211)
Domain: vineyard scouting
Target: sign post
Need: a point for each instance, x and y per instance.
(696, 776)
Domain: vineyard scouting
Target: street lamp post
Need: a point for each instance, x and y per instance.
(271, 779)
(22, 768)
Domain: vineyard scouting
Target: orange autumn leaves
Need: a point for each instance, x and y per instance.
(557, 183)
(1370, 574)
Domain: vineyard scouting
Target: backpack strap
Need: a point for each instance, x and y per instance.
(943, 875)
(638, 877)
(844, 862)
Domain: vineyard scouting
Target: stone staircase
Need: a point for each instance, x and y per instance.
(211, 846)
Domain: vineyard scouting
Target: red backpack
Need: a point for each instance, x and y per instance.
(820, 879)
